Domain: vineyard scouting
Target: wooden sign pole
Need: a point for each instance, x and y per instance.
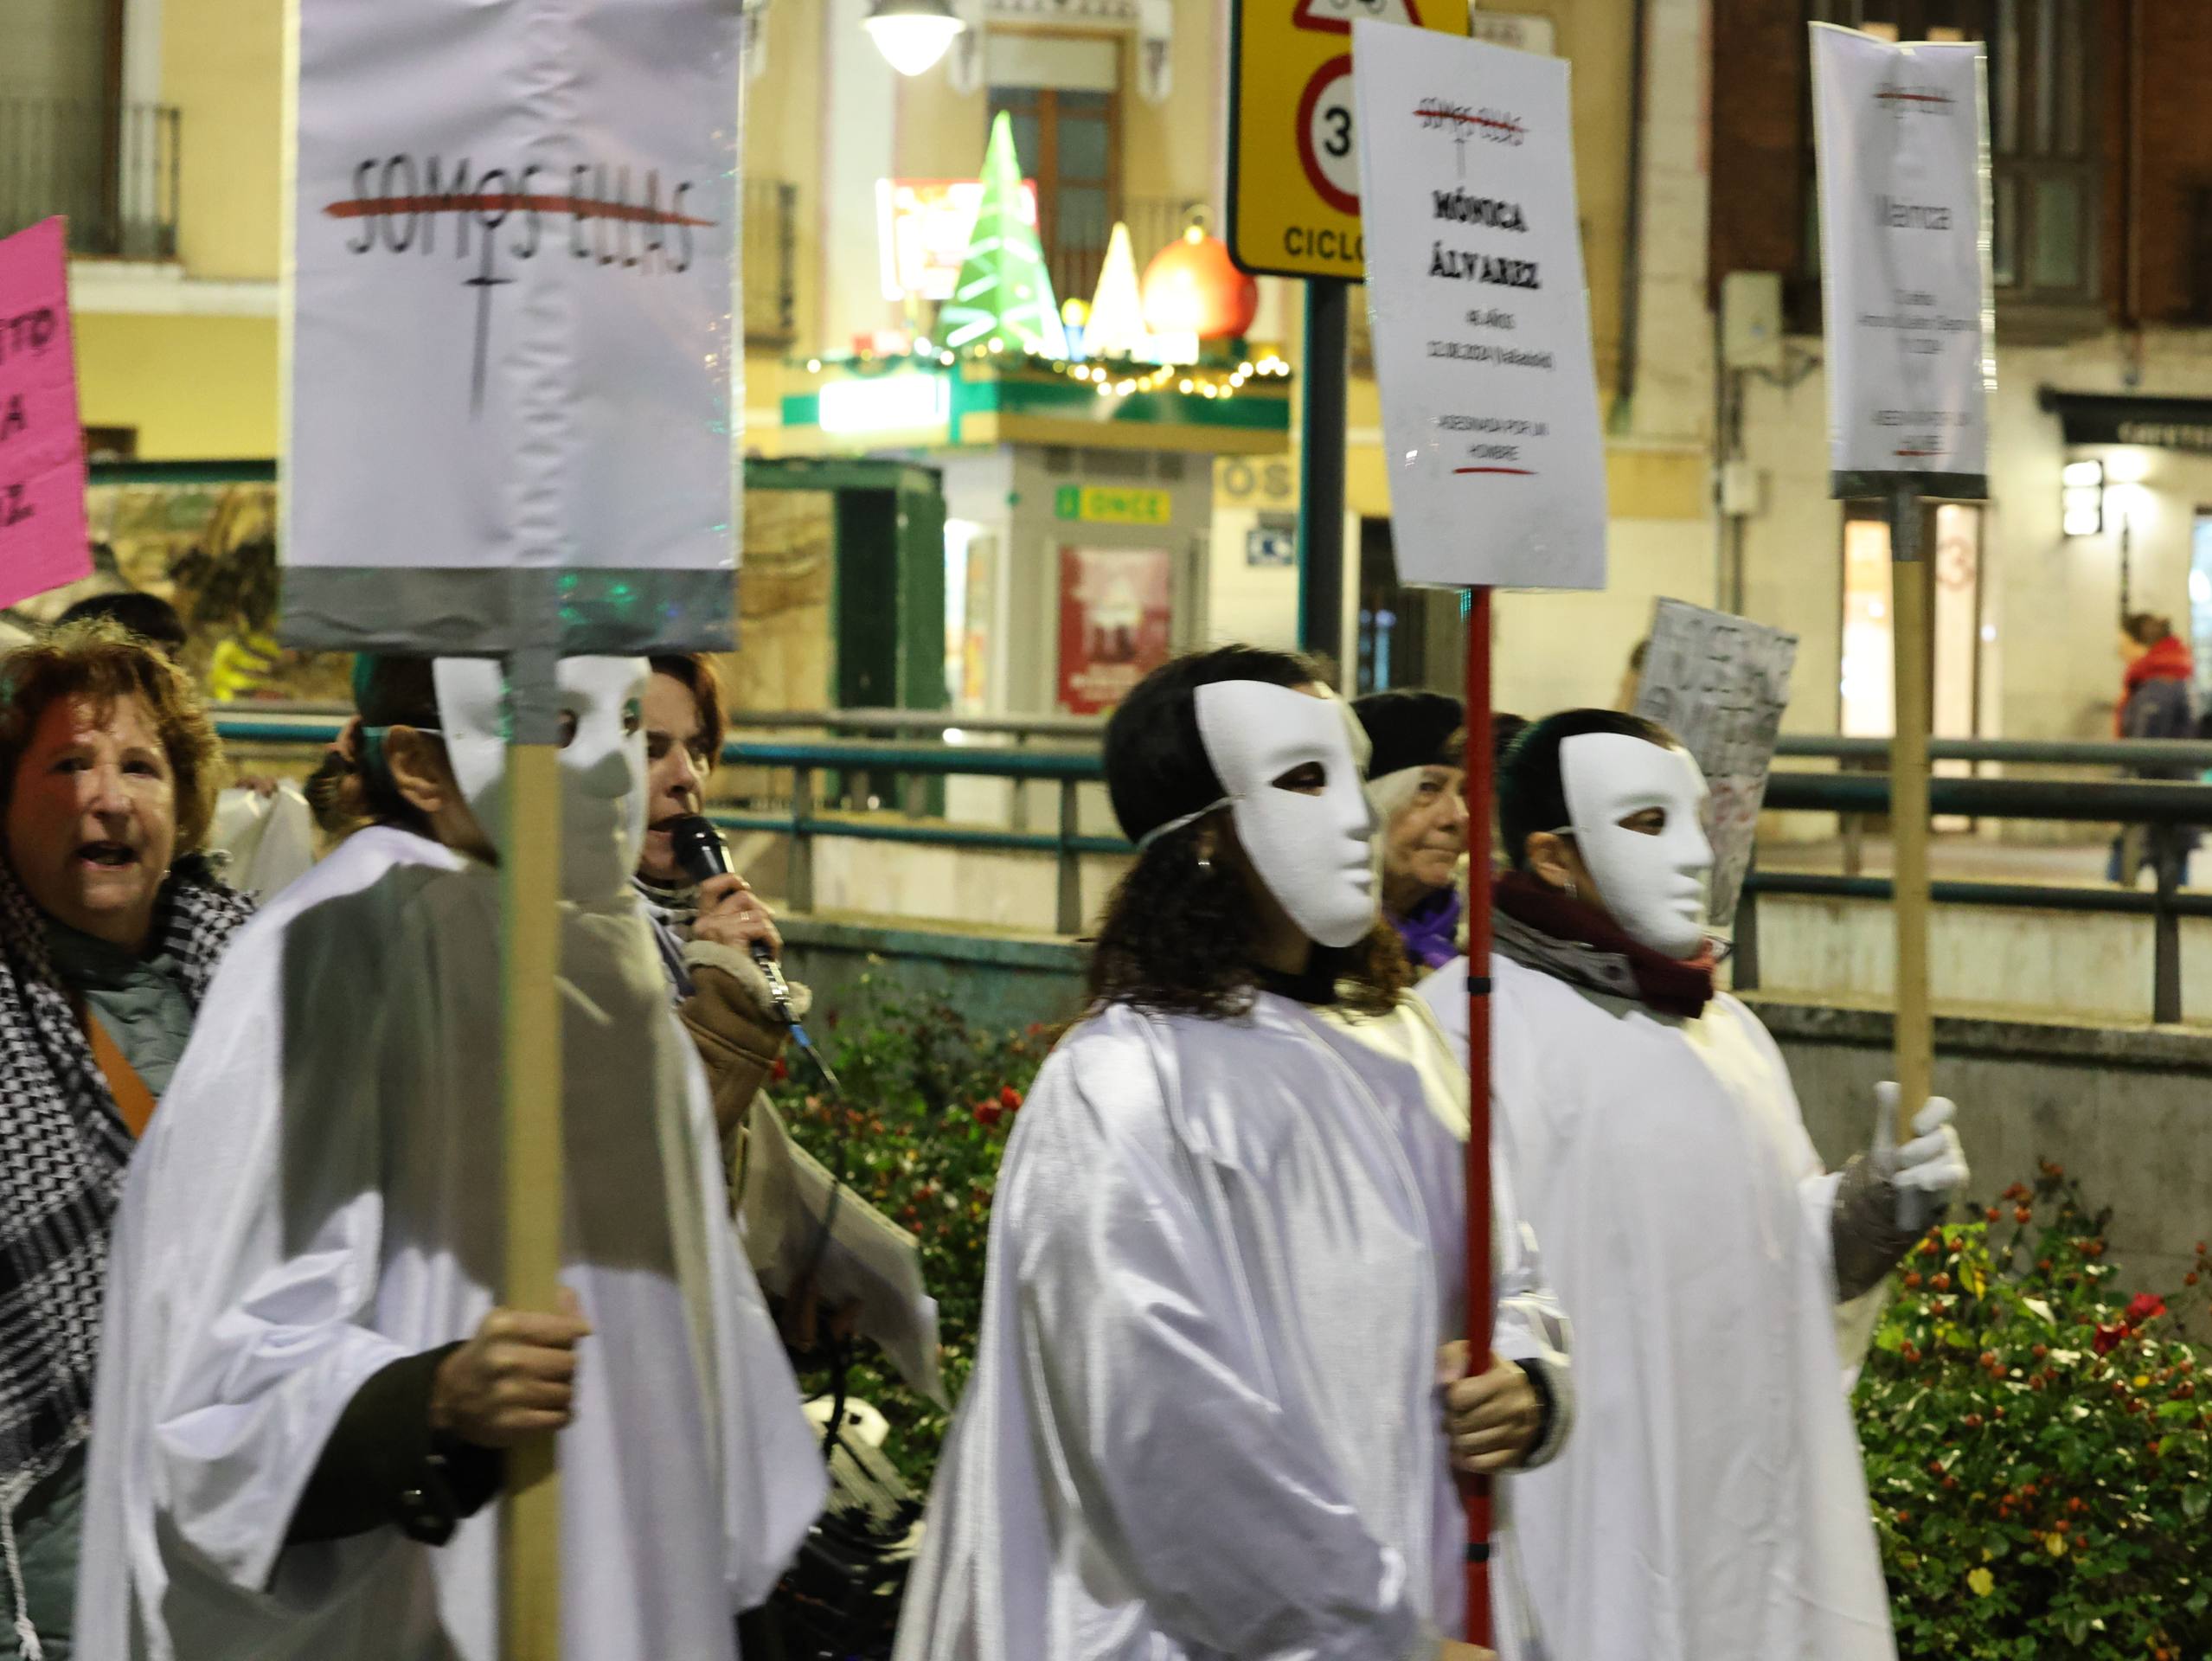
(536, 1198)
(1481, 793)
(1908, 798)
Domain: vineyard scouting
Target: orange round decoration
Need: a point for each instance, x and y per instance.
(1193, 287)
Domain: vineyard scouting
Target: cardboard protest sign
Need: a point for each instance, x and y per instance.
(1720, 684)
(1481, 318)
(1903, 143)
(43, 540)
(513, 378)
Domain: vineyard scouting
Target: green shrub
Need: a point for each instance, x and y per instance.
(2036, 1446)
(931, 1099)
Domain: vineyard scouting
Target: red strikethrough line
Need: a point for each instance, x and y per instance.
(464, 202)
(1471, 120)
(1917, 98)
(1525, 472)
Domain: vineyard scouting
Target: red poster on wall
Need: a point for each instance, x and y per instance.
(1117, 610)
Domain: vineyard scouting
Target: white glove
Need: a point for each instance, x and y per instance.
(1928, 1172)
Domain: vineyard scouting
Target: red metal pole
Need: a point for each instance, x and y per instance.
(1481, 792)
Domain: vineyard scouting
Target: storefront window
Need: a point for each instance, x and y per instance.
(969, 596)
(1868, 678)
(2200, 603)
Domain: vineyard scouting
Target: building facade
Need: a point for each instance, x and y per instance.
(2101, 161)
(156, 124)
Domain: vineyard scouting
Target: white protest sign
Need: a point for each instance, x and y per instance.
(1481, 320)
(1903, 142)
(512, 372)
(1720, 684)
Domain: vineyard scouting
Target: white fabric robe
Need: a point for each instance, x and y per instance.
(1712, 1505)
(319, 1194)
(1204, 1419)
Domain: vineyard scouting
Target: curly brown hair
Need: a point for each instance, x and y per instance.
(1179, 938)
(98, 660)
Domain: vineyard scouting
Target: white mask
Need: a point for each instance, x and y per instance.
(1654, 886)
(1311, 851)
(603, 795)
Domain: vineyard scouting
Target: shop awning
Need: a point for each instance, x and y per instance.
(2122, 418)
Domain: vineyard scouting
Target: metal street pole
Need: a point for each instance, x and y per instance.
(1321, 491)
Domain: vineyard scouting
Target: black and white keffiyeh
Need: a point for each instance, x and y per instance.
(63, 1148)
(672, 908)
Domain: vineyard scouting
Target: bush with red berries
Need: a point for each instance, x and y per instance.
(2038, 1441)
(930, 1098)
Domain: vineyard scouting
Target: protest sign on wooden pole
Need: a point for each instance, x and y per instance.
(1490, 420)
(512, 407)
(42, 544)
(1902, 139)
(1720, 684)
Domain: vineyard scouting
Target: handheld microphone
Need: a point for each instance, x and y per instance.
(702, 854)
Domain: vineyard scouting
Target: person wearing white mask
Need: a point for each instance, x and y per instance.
(1712, 1505)
(306, 1387)
(1205, 1419)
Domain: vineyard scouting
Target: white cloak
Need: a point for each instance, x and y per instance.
(1204, 1419)
(319, 1194)
(1712, 1505)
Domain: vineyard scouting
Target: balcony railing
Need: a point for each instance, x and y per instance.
(111, 169)
(771, 262)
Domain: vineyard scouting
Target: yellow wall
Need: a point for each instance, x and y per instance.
(1168, 149)
(196, 389)
(222, 65)
(783, 141)
(940, 133)
(1594, 35)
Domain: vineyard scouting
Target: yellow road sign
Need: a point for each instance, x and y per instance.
(1293, 167)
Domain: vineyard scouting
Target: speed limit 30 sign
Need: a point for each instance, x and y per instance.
(1293, 184)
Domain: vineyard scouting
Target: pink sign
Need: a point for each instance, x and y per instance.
(42, 541)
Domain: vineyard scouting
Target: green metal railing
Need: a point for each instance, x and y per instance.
(802, 819)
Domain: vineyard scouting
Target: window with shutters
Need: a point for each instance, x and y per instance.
(1069, 141)
(2044, 136)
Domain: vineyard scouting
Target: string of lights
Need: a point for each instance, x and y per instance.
(1120, 377)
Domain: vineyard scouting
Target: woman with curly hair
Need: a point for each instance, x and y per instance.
(111, 927)
(1226, 1248)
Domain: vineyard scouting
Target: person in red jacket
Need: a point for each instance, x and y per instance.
(2156, 701)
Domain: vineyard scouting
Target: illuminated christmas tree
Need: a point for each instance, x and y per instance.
(1004, 292)
(1116, 328)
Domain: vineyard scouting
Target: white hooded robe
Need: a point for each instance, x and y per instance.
(1712, 1505)
(1204, 1419)
(319, 1194)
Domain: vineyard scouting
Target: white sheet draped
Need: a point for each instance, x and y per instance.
(1711, 1505)
(1204, 1419)
(320, 1195)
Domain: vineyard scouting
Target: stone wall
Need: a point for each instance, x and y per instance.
(2126, 1108)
